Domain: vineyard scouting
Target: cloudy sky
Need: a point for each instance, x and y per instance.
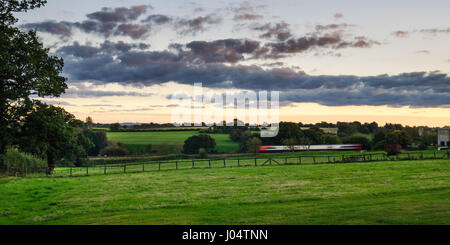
(383, 61)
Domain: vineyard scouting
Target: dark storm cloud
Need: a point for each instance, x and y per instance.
(248, 17)
(90, 26)
(56, 28)
(279, 31)
(367, 96)
(106, 22)
(134, 31)
(332, 27)
(75, 93)
(158, 19)
(122, 14)
(86, 51)
(197, 24)
(303, 44)
(227, 50)
(150, 68)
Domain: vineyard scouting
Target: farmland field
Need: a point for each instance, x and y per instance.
(136, 142)
(403, 192)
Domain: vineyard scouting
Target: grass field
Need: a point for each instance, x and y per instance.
(136, 142)
(404, 192)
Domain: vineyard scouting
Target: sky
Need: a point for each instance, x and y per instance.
(382, 61)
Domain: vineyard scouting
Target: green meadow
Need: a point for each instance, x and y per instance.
(137, 142)
(400, 192)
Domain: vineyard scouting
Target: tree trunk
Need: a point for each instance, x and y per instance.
(50, 162)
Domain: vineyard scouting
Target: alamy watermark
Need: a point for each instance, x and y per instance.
(221, 109)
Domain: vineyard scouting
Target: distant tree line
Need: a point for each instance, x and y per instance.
(369, 135)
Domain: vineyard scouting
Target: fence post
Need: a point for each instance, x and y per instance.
(329, 159)
(239, 162)
(176, 165)
(314, 159)
(104, 170)
(224, 163)
(87, 170)
(270, 161)
(255, 162)
(209, 163)
(285, 160)
(143, 167)
(300, 160)
(435, 155)
(71, 171)
(159, 165)
(125, 167)
(193, 163)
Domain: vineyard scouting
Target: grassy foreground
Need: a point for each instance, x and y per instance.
(404, 192)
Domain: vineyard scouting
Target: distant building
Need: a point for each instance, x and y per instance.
(444, 137)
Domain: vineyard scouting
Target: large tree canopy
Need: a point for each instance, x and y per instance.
(51, 132)
(26, 70)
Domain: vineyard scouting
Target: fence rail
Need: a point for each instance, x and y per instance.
(229, 162)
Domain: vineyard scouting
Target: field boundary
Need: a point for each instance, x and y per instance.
(228, 163)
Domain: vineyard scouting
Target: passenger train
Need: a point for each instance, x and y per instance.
(281, 148)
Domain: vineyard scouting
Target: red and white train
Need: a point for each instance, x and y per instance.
(342, 147)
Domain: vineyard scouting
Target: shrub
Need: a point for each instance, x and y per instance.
(253, 145)
(202, 153)
(149, 148)
(194, 143)
(163, 148)
(20, 162)
(114, 149)
(365, 142)
(331, 139)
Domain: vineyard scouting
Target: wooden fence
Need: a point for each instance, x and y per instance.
(232, 162)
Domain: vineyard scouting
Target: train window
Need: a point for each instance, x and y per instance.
(442, 143)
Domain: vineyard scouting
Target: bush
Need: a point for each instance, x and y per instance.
(253, 145)
(202, 153)
(331, 139)
(114, 149)
(365, 142)
(163, 148)
(20, 162)
(194, 143)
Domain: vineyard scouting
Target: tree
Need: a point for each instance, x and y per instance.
(290, 143)
(194, 143)
(26, 70)
(253, 145)
(115, 127)
(314, 134)
(178, 149)
(89, 122)
(331, 139)
(365, 142)
(202, 153)
(52, 132)
(163, 148)
(98, 139)
(400, 137)
(114, 149)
